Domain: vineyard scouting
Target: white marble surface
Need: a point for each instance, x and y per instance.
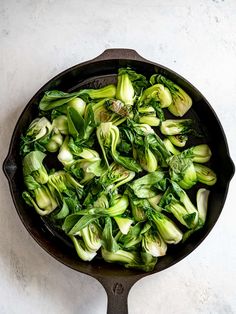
(39, 39)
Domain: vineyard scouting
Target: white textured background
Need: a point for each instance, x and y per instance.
(39, 39)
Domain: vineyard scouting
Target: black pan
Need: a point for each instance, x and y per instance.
(96, 73)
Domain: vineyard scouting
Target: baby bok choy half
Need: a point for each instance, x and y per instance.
(113, 174)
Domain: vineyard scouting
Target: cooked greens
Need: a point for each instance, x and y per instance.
(124, 175)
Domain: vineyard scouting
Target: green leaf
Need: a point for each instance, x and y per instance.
(70, 221)
(143, 187)
(31, 183)
(63, 212)
(53, 99)
(83, 222)
(138, 80)
(76, 123)
(33, 162)
(133, 237)
(108, 241)
(128, 163)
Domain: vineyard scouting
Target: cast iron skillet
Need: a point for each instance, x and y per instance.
(96, 73)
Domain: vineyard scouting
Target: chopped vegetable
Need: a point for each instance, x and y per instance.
(175, 127)
(181, 101)
(153, 244)
(158, 92)
(60, 123)
(202, 202)
(182, 171)
(125, 89)
(33, 166)
(205, 175)
(178, 140)
(200, 153)
(170, 233)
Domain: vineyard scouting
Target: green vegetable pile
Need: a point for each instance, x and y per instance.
(122, 171)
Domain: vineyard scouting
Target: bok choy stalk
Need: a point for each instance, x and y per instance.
(174, 127)
(55, 142)
(176, 201)
(143, 133)
(146, 158)
(116, 206)
(119, 205)
(178, 140)
(42, 200)
(146, 186)
(89, 164)
(183, 197)
(153, 243)
(158, 147)
(108, 137)
(115, 176)
(144, 155)
(202, 204)
(33, 166)
(118, 107)
(129, 83)
(147, 115)
(92, 236)
(53, 99)
(170, 147)
(182, 171)
(158, 92)
(37, 136)
(181, 101)
(63, 182)
(154, 201)
(125, 90)
(65, 156)
(68, 192)
(102, 201)
(38, 128)
(59, 127)
(200, 153)
(133, 238)
(120, 256)
(78, 104)
(60, 123)
(205, 175)
(100, 112)
(108, 241)
(144, 261)
(181, 214)
(110, 110)
(138, 206)
(124, 223)
(82, 250)
(169, 232)
(142, 129)
(108, 91)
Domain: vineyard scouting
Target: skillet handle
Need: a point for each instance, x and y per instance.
(119, 53)
(117, 293)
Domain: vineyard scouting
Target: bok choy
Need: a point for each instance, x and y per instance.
(113, 170)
